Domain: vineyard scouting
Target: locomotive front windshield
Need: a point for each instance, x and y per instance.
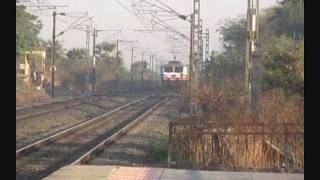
(168, 69)
(178, 69)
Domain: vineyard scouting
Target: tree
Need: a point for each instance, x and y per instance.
(109, 66)
(284, 66)
(286, 19)
(27, 30)
(77, 54)
(104, 49)
(221, 67)
(281, 34)
(292, 2)
(60, 51)
(107, 52)
(138, 67)
(234, 38)
(230, 62)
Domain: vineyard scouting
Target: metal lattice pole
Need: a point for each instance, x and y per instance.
(87, 39)
(253, 57)
(93, 63)
(207, 46)
(190, 80)
(206, 56)
(195, 65)
(53, 53)
(131, 70)
(201, 46)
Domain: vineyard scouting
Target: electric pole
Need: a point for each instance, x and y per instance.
(54, 36)
(195, 58)
(152, 83)
(253, 57)
(131, 73)
(132, 49)
(117, 48)
(206, 57)
(207, 46)
(94, 61)
(87, 39)
(191, 55)
(160, 72)
(201, 46)
(150, 68)
(142, 68)
(53, 54)
(118, 64)
(156, 78)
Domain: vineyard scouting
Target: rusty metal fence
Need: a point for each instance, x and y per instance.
(245, 146)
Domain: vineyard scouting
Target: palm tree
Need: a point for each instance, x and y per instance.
(104, 49)
(77, 54)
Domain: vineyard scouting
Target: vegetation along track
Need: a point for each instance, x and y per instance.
(34, 128)
(38, 161)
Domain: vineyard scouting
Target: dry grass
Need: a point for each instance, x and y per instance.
(242, 152)
(25, 95)
(235, 152)
(275, 107)
(228, 104)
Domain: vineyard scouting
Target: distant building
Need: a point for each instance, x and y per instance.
(34, 63)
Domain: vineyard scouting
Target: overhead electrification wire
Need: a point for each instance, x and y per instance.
(71, 25)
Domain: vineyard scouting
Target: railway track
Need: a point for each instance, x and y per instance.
(33, 128)
(111, 139)
(49, 101)
(47, 155)
(33, 111)
(45, 108)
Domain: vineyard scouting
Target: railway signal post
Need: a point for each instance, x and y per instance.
(253, 58)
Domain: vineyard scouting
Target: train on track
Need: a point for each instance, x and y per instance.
(174, 75)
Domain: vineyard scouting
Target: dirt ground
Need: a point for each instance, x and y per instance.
(27, 97)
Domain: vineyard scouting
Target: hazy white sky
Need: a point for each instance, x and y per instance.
(108, 14)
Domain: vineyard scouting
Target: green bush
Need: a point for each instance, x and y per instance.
(158, 151)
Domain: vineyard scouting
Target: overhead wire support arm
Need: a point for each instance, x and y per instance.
(170, 28)
(154, 5)
(172, 11)
(109, 30)
(72, 25)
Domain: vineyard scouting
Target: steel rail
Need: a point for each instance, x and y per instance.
(51, 102)
(28, 115)
(115, 136)
(74, 128)
(58, 102)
